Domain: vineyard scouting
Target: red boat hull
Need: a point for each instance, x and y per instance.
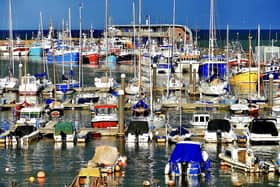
(104, 124)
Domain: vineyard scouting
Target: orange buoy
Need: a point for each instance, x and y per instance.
(41, 174)
(120, 163)
(237, 183)
(117, 168)
(146, 183)
(41, 181)
(171, 183)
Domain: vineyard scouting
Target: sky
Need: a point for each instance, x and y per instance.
(238, 14)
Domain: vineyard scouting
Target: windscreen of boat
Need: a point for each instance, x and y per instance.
(263, 127)
(21, 131)
(218, 124)
(138, 127)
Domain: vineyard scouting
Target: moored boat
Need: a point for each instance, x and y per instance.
(104, 116)
(219, 130)
(178, 134)
(188, 158)
(243, 158)
(263, 130)
(64, 132)
(200, 120)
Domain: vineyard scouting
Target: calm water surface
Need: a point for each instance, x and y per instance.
(61, 162)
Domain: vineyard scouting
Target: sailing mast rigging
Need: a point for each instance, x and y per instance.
(11, 44)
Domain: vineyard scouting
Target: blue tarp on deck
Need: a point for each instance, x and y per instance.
(186, 152)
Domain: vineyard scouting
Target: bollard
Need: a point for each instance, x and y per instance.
(121, 113)
(123, 81)
(19, 72)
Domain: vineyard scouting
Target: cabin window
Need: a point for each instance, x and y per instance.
(196, 119)
(202, 118)
(207, 118)
(228, 153)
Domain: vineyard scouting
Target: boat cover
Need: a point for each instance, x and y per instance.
(179, 131)
(138, 127)
(218, 124)
(139, 104)
(65, 127)
(262, 126)
(104, 155)
(186, 151)
(23, 130)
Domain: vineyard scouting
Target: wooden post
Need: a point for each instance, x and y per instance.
(121, 107)
(123, 82)
(194, 81)
(270, 101)
(19, 72)
(190, 73)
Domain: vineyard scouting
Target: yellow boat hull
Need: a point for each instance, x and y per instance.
(244, 83)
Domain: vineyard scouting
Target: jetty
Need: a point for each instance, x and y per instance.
(49, 129)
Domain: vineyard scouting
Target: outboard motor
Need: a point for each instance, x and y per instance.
(219, 135)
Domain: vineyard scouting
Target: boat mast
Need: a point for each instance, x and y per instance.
(11, 44)
(212, 35)
(81, 81)
(151, 71)
(70, 38)
(106, 33)
(227, 56)
(139, 43)
(63, 45)
(250, 63)
(134, 56)
(173, 34)
(258, 59)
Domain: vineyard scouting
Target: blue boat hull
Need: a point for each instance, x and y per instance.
(207, 69)
(35, 51)
(67, 57)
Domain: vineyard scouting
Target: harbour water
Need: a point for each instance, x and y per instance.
(61, 162)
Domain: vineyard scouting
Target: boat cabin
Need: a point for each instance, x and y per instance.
(263, 131)
(243, 158)
(200, 119)
(219, 130)
(32, 115)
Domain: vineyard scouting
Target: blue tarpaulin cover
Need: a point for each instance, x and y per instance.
(39, 75)
(139, 104)
(186, 151)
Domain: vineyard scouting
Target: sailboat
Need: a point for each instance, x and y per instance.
(138, 130)
(68, 84)
(245, 79)
(133, 86)
(213, 68)
(180, 133)
(65, 52)
(54, 108)
(105, 82)
(86, 98)
(258, 98)
(9, 81)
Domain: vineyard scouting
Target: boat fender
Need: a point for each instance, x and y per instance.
(176, 169)
(167, 169)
